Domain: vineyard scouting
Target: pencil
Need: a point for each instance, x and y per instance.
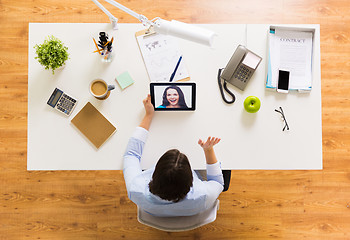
(109, 42)
(98, 50)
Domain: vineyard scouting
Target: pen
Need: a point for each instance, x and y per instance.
(177, 65)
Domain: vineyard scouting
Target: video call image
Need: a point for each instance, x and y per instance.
(173, 96)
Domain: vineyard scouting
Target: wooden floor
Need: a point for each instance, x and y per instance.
(94, 205)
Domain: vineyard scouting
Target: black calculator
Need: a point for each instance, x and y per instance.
(62, 102)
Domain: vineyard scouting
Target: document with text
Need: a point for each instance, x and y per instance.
(292, 51)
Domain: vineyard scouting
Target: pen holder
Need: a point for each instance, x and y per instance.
(106, 55)
(104, 47)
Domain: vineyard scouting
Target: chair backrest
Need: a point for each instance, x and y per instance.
(178, 224)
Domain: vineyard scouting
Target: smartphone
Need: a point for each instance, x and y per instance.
(283, 81)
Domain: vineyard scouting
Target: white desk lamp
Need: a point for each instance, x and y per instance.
(174, 28)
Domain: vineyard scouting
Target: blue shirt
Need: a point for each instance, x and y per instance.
(201, 196)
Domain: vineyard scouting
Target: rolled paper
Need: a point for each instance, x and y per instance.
(185, 31)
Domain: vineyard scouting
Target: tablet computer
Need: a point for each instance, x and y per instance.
(167, 96)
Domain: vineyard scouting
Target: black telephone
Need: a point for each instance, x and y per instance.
(238, 71)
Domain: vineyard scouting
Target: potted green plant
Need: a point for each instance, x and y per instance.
(52, 54)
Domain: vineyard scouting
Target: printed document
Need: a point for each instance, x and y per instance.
(292, 51)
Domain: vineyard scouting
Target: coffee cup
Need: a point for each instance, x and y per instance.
(99, 88)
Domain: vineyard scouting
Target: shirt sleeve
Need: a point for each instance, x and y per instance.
(214, 173)
(214, 184)
(132, 156)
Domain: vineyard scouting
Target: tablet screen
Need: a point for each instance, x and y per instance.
(173, 96)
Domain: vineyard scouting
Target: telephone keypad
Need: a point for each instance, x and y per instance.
(242, 73)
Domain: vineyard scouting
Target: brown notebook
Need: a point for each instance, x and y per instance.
(93, 125)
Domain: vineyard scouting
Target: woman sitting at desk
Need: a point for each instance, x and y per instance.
(173, 97)
(171, 188)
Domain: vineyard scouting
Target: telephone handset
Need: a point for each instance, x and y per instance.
(241, 67)
(239, 70)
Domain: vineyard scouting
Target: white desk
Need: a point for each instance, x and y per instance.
(249, 141)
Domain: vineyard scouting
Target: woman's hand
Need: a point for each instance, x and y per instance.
(207, 146)
(147, 119)
(210, 143)
(148, 105)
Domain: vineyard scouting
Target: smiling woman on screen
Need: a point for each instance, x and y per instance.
(173, 97)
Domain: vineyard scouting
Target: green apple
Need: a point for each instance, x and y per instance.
(252, 104)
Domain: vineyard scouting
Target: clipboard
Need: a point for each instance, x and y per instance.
(160, 55)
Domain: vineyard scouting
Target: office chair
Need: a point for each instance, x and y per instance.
(227, 178)
(184, 223)
(178, 224)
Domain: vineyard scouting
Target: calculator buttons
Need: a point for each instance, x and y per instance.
(64, 104)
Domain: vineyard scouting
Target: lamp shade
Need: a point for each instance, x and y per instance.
(185, 31)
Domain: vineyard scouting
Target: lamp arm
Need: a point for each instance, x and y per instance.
(174, 28)
(113, 19)
(144, 20)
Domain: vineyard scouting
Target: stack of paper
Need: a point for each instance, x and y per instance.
(124, 80)
(290, 50)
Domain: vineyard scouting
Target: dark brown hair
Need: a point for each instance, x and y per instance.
(172, 177)
(181, 102)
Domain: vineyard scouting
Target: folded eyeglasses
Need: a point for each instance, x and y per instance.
(286, 127)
